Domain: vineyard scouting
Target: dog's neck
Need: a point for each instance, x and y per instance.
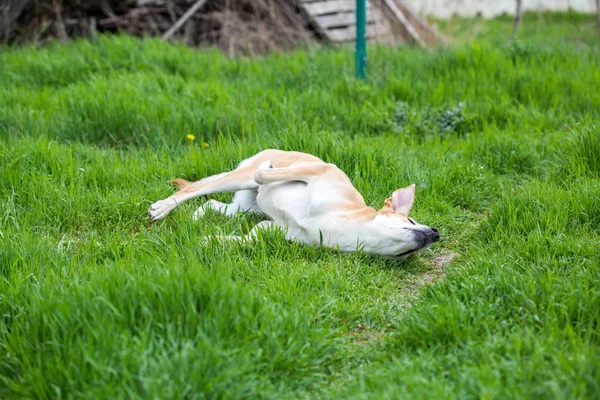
(358, 214)
(363, 227)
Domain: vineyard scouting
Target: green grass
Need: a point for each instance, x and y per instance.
(539, 28)
(502, 143)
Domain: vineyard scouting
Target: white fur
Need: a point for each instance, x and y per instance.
(312, 202)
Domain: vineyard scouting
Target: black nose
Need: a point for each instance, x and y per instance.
(435, 235)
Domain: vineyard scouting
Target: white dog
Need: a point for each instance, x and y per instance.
(311, 201)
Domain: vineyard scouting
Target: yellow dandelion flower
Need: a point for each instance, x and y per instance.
(190, 136)
(205, 144)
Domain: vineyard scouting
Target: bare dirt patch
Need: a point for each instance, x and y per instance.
(412, 286)
(362, 335)
(410, 289)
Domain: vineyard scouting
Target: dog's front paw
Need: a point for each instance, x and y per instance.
(160, 209)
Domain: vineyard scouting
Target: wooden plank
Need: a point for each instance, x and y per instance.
(337, 20)
(349, 33)
(376, 15)
(308, 17)
(331, 6)
(344, 19)
(422, 24)
(183, 19)
(382, 39)
(404, 21)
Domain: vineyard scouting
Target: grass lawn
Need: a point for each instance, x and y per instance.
(503, 144)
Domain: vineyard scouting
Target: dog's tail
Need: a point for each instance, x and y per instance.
(181, 183)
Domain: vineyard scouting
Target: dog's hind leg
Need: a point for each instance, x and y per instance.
(239, 179)
(266, 174)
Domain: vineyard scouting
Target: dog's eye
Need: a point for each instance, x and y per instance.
(411, 221)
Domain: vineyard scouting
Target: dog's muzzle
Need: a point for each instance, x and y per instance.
(424, 238)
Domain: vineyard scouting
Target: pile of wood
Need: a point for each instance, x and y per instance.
(238, 27)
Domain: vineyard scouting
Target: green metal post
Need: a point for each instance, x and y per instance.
(361, 40)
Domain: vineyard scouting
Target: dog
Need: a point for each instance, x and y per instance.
(311, 201)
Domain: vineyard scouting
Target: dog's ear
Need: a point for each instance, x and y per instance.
(403, 199)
